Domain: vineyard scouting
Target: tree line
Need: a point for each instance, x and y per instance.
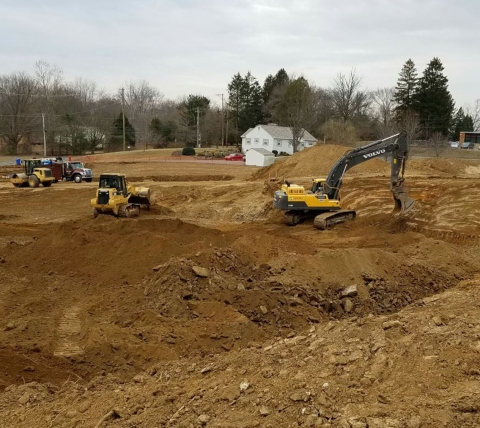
(78, 117)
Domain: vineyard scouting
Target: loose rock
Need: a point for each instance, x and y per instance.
(201, 272)
(350, 291)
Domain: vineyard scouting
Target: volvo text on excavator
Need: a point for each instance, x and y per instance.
(323, 200)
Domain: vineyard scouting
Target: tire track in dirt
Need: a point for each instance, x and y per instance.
(68, 334)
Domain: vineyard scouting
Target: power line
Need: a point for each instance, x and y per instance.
(58, 115)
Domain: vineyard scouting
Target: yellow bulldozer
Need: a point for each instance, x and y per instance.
(34, 175)
(115, 195)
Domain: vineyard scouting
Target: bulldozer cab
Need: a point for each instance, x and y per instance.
(112, 181)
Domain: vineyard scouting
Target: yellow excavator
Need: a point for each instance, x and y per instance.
(322, 201)
(115, 195)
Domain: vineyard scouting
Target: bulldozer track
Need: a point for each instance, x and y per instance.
(68, 334)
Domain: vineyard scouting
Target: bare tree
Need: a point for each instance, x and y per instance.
(474, 113)
(439, 143)
(383, 110)
(322, 108)
(410, 124)
(339, 132)
(347, 97)
(18, 116)
(142, 102)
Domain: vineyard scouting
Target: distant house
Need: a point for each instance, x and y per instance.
(259, 157)
(273, 137)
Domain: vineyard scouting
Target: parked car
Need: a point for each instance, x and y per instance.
(454, 144)
(235, 157)
(467, 146)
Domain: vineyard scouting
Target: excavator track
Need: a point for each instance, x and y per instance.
(292, 218)
(327, 220)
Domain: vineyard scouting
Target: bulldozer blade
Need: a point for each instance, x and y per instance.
(138, 199)
(403, 202)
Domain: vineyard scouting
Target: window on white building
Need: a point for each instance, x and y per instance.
(256, 140)
(265, 142)
(278, 143)
(249, 141)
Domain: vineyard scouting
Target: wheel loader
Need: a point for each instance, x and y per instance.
(33, 176)
(115, 195)
(322, 201)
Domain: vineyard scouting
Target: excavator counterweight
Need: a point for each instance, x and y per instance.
(323, 200)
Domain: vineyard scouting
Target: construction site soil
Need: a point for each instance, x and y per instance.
(208, 310)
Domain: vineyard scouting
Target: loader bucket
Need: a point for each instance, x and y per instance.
(403, 202)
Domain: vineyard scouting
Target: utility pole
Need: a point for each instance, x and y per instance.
(44, 138)
(123, 116)
(221, 96)
(198, 127)
(226, 136)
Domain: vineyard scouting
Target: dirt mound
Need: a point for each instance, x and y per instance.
(167, 178)
(317, 161)
(440, 166)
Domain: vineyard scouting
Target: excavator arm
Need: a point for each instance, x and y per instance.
(395, 144)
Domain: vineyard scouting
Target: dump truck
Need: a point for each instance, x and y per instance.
(68, 171)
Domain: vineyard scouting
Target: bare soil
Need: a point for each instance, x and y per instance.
(208, 311)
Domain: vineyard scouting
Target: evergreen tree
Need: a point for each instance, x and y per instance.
(435, 104)
(468, 124)
(406, 90)
(162, 132)
(271, 82)
(461, 123)
(245, 102)
(116, 136)
(273, 89)
(458, 122)
(295, 110)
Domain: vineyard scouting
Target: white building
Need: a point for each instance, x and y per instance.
(259, 157)
(273, 137)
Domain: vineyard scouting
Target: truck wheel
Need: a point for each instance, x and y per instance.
(33, 181)
(77, 178)
(46, 183)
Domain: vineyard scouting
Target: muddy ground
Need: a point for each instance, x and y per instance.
(208, 311)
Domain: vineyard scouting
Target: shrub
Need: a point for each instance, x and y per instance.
(284, 154)
(188, 151)
(275, 152)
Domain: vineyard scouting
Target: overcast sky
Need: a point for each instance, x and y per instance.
(193, 46)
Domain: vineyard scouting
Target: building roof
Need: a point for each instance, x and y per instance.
(245, 133)
(282, 132)
(264, 152)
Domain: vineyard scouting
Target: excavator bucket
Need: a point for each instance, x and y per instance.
(403, 202)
